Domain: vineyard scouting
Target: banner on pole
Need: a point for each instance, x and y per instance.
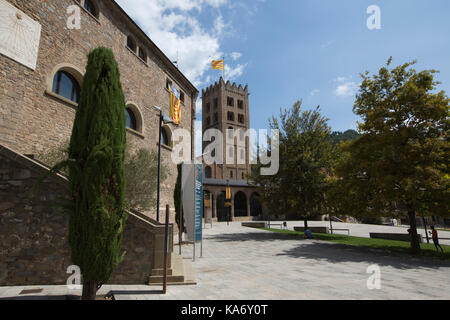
(198, 201)
(192, 185)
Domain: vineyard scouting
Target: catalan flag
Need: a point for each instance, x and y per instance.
(217, 64)
(175, 105)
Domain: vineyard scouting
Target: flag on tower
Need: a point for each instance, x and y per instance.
(217, 64)
(175, 105)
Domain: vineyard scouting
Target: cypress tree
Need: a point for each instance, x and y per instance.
(96, 173)
(177, 198)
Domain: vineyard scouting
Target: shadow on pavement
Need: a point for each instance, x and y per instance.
(335, 253)
(62, 297)
(133, 292)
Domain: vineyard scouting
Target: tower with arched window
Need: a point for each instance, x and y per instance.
(226, 108)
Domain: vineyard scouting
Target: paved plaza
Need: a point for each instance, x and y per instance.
(244, 263)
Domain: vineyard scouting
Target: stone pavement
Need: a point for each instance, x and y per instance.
(242, 263)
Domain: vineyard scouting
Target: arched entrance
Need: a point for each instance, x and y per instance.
(255, 205)
(207, 204)
(240, 204)
(222, 211)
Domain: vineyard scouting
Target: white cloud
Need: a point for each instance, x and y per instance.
(314, 92)
(233, 73)
(346, 87)
(198, 138)
(236, 55)
(174, 27)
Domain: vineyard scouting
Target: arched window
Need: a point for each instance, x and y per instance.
(164, 140)
(90, 7)
(240, 204)
(208, 173)
(131, 44)
(230, 132)
(142, 54)
(65, 85)
(131, 119)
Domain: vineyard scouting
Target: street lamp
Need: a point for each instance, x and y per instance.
(166, 120)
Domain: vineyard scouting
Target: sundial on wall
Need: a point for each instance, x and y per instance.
(19, 35)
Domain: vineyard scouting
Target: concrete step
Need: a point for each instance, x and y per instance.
(182, 273)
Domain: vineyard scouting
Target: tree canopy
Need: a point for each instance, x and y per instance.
(298, 189)
(400, 163)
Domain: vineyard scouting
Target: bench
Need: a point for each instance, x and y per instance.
(347, 230)
(313, 229)
(281, 225)
(258, 225)
(394, 236)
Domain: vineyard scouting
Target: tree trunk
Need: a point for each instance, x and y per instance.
(306, 223)
(415, 244)
(89, 290)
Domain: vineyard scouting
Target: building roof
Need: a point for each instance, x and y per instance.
(225, 182)
(158, 52)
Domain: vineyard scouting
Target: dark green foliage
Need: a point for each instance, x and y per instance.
(141, 173)
(177, 196)
(372, 220)
(96, 172)
(349, 135)
(306, 151)
(399, 165)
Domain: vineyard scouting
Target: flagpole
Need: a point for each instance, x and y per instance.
(223, 71)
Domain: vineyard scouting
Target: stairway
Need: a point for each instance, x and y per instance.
(181, 273)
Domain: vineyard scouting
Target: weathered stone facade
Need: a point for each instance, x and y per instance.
(34, 119)
(226, 107)
(34, 246)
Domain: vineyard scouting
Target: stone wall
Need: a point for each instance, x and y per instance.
(34, 120)
(33, 234)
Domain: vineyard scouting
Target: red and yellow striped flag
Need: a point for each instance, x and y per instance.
(175, 106)
(217, 64)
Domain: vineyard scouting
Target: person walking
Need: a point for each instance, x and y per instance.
(435, 237)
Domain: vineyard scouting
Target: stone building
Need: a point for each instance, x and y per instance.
(43, 55)
(42, 63)
(226, 108)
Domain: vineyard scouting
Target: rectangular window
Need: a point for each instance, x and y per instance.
(168, 84)
(182, 96)
(208, 107)
(208, 121)
(216, 117)
(230, 102)
(240, 104)
(241, 118)
(216, 103)
(230, 116)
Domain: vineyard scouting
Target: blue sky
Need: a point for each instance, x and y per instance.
(297, 49)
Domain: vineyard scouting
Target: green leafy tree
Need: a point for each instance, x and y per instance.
(339, 137)
(177, 198)
(141, 172)
(400, 163)
(306, 151)
(96, 173)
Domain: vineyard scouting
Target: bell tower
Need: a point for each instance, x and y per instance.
(226, 108)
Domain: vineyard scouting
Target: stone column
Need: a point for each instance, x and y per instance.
(232, 207)
(249, 213)
(213, 205)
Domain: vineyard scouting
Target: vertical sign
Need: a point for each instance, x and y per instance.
(198, 201)
(188, 187)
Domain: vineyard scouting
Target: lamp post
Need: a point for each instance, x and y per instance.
(230, 203)
(166, 120)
